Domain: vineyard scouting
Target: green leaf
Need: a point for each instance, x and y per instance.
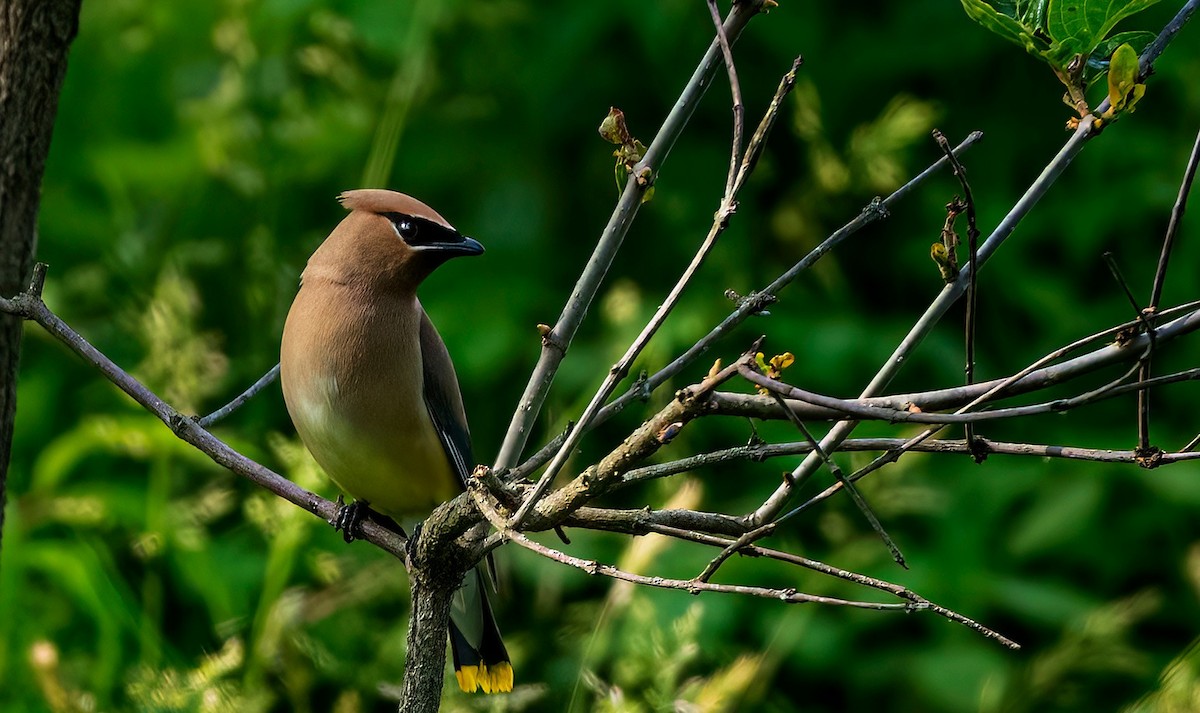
(1004, 24)
(1123, 90)
(1139, 39)
(1078, 26)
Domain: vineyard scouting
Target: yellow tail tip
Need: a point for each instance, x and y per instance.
(497, 678)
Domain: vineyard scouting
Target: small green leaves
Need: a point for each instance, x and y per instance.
(945, 251)
(773, 369)
(1124, 91)
(613, 129)
(1078, 26)
(629, 150)
(942, 257)
(1007, 21)
(1072, 36)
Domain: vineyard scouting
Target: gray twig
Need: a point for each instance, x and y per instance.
(751, 305)
(735, 89)
(556, 343)
(262, 383)
(972, 247)
(621, 368)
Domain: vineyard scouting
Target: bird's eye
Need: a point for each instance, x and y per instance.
(407, 229)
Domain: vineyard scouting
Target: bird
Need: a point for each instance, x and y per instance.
(373, 394)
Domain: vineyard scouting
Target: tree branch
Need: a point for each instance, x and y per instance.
(950, 294)
(752, 304)
(556, 343)
(621, 368)
(35, 37)
(28, 305)
(263, 382)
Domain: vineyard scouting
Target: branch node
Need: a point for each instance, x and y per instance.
(667, 433)
(37, 281)
(550, 340)
(756, 301)
(876, 209)
(1149, 458)
(178, 422)
(980, 449)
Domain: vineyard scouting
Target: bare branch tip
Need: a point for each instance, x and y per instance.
(38, 280)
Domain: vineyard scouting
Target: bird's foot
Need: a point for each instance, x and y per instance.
(348, 518)
(410, 545)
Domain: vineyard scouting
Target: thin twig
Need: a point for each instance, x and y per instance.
(1146, 459)
(788, 596)
(1119, 278)
(814, 565)
(262, 383)
(557, 341)
(653, 434)
(950, 294)
(1159, 45)
(1034, 377)
(1160, 274)
(621, 368)
(751, 305)
(972, 247)
(637, 523)
(875, 413)
(593, 567)
(872, 212)
(1143, 397)
(1177, 211)
(859, 501)
(763, 451)
(735, 89)
(31, 307)
(933, 314)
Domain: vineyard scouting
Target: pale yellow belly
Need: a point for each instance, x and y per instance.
(354, 389)
(400, 471)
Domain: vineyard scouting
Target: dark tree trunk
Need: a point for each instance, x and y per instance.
(34, 38)
(425, 667)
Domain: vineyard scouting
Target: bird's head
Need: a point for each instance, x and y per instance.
(388, 237)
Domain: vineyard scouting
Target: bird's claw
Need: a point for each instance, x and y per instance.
(348, 518)
(410, 544)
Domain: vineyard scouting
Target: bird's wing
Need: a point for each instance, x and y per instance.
(444, 401)
(445, 405)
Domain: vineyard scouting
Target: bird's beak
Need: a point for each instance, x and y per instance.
(466, 246)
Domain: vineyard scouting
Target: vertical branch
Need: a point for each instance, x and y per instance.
(735, 89)
(876, 210)
(1185, 188)
(936, 310)
(558, 340)
(739, 171)
(1160, 276)
(1143, 400)
(35, 36)
(425, 664)
(973, 247)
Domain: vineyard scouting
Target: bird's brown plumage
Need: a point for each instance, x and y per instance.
(372, 391)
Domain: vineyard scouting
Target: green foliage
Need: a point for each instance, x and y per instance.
(193, 170)
(1069, 35)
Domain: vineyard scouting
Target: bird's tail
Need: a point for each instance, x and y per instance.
(480, 660)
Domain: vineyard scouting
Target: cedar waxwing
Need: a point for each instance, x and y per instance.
(373, 394)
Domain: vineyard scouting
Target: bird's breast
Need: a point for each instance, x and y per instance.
(352, 379)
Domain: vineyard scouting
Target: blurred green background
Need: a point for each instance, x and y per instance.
(198, 150)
